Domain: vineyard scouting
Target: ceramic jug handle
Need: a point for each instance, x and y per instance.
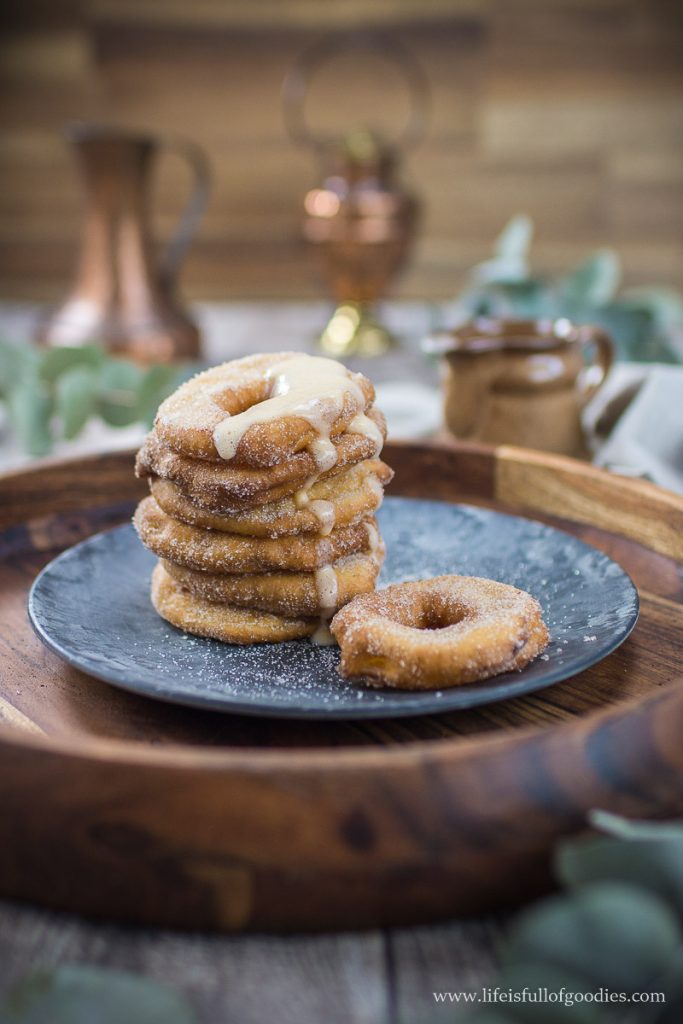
(598, 350)
(176, 248)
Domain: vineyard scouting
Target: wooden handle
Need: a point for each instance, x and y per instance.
(560, 486)
(600, 349)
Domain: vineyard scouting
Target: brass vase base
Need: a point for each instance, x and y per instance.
(353, 331)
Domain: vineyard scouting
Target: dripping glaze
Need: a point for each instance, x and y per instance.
(310, 387)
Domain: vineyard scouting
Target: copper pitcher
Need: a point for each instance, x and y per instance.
(522, 382)
(360, 220)
(123, 297)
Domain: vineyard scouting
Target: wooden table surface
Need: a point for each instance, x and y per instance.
(375, 977)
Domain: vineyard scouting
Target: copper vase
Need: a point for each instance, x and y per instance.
(123, 297)
(360, 221)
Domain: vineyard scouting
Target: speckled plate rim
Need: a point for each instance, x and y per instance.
(502, 687)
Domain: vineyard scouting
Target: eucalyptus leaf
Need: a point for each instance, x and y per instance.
(608, 933)
(521, 299)
(157, 383)
(646, 323)
(92, 995)
(631, 330)
(594, 282)
(654, 865)
(634, 828)
(77, 383)
(30, 409)
(120, 381)
(509, 263)
(665, 305)
(500, 272)
(15, 362)
(515, 239)
(57, 360)
(75, 398)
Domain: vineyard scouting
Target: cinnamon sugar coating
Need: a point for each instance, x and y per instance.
(214, 551)
(264, 476)
(292, 594)
(437, 633)
(222, 487)
(224, 622)
(189, 419)
(353, 494)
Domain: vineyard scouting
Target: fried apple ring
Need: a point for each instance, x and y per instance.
(223, 488)
(292, 594)
(213, 551)
(260, 410)
(347, 497)
(223, 622)
(438, 633)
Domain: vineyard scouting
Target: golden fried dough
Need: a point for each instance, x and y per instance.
(213, 551)
(188, 420)
(284, 593)
(437, 633)
(223, 622)
(352, 494)
(221, 487)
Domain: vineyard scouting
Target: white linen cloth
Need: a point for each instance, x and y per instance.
(635, 423)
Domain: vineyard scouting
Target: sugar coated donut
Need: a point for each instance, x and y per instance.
(223, 622)
(437, 633)
(260, 410)
(264, 476)
(213, 551)
(224, 487)
(352, 494)
(292, 594)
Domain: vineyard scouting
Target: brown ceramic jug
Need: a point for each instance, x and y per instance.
(522, 382)
(123, 297)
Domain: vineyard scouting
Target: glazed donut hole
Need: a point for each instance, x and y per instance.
(236, 400)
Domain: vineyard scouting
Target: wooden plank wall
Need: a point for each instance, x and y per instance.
(571, 110)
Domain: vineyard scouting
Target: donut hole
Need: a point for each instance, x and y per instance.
(430, 614)
(236, 400)
(436, 616)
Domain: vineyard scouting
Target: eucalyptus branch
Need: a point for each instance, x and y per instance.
(52, 393)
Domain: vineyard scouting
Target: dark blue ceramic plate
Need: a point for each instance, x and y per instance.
(91, 606)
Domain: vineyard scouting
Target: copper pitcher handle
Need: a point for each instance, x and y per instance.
(177, 245)
(595, 339)
(297, 80)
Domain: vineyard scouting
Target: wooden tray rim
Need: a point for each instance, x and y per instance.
(182, 755)
(299, 838)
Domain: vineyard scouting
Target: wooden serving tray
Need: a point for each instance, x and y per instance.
(112, 804)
